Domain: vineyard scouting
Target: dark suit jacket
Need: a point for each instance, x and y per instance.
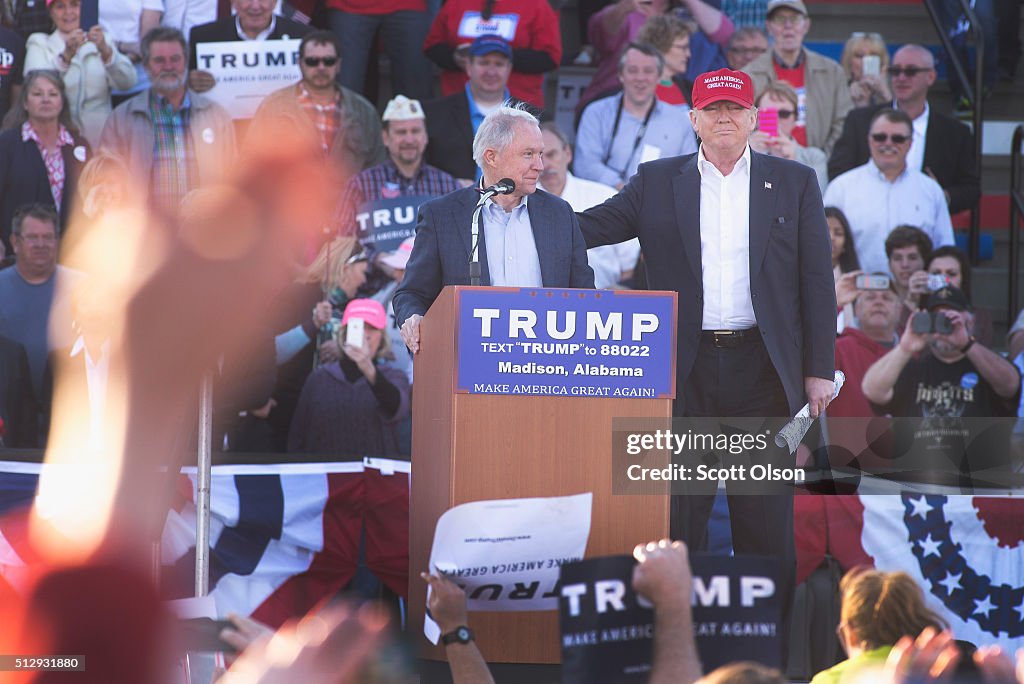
(18, 408)
(450, 132)
(440, 256)
(948, 153)
(451, 135)
(791, 283)
(23, 178)
(224, 30)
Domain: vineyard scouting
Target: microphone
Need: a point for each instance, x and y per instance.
(503, 187)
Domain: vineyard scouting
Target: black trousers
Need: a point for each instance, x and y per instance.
(740, 381)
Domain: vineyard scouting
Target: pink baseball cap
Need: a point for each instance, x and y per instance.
(400, 257)
(724, 84)
(370, 310)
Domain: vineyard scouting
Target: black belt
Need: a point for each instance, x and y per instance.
(729, 339)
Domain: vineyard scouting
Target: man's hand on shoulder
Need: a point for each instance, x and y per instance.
(411, 332)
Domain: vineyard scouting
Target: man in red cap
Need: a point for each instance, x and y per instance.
(742, 238)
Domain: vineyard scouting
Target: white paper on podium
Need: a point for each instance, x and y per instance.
(506, 553)
(247, 71)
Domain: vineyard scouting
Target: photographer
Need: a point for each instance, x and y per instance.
(960, 377)
(954, 268)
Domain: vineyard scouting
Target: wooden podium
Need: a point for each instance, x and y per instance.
(473, 447)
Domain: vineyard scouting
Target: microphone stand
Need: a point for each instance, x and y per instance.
(474, 259)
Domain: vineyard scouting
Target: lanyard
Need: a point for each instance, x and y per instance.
(639, 135)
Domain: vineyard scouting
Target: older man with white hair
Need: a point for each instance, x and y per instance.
(527, 238)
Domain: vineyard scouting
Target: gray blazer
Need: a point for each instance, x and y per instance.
(440, 255)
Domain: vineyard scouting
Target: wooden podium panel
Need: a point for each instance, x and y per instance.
(473, 447)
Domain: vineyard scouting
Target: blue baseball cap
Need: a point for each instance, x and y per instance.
(490, 43)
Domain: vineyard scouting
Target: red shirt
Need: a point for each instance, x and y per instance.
(795, 78)
(525, 24)
(377, 6)
(669, 94)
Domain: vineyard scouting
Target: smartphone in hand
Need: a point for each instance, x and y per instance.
(89, 14)
(768, 121)
(355, 332)
(871, 65)
(872, 281)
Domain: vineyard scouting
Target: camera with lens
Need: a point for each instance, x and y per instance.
(924, 322)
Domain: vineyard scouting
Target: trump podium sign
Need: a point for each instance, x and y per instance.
(593, 343)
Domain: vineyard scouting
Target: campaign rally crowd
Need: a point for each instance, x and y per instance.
(116, 153)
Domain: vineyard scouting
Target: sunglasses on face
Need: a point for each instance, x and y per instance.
(317, 61)
(910, 71)
(357, 257)
(897, 138)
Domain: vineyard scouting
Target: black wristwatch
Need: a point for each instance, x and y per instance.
(459, 635)
(967, 347)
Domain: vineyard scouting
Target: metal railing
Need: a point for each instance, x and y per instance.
(1016, 213)
(974, 95)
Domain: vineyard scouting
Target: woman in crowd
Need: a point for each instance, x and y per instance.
(952, 264)
(844, 263)
(41, 151)
(877, 609)
(305, 340)
(125, 23)
(617, 25)
(781, 97)
(88, 62)
(352, 406)
(844, 252)
(530, 26)
(867, 87)
(671, 37)
(103, 186)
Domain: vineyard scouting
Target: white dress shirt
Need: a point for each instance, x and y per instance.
(725, 244)
(608, 261)
(874, 206)
(97, 375)
(915, 156)
(512, 258)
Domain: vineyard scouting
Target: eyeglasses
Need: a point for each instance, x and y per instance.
(896, 138)
(748, 51)
(910, 71)
(37, 239)
(317, 61)
(787, 20)
(859, 35)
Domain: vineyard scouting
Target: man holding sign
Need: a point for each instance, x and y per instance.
(379, 205)
(252, 20)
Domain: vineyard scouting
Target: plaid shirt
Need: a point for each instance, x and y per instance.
(385, 179)
(326, 118)
(745, 12)
(54, 160)
(175, 171)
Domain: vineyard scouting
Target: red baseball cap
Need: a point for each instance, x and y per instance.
(724, 84)
(370, 310)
